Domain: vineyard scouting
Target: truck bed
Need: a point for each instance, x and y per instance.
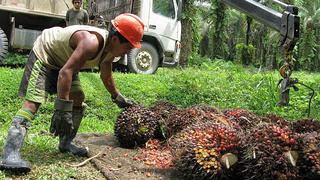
(48, 8)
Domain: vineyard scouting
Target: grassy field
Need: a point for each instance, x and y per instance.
(219, 84)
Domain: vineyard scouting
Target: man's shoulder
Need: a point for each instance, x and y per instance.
(70, 10)
(84, 11)
(86, 28)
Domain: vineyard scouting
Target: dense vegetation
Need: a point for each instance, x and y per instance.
(222, 32)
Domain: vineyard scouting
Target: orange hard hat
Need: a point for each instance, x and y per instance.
(129, 26)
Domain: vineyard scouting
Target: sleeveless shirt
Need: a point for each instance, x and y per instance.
(52, 47)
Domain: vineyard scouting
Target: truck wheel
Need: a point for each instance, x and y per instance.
(144, 60)
(3, 45)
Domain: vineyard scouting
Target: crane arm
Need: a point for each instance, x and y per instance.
(286, 22)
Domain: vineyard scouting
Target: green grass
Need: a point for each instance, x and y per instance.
(15, 60)
(220, 84)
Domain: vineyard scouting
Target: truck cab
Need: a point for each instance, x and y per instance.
(162, 31)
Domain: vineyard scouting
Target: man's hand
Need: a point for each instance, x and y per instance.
(61, 122)
(122, 101)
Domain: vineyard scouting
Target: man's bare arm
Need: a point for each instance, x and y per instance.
(86, 46)
(106, 77)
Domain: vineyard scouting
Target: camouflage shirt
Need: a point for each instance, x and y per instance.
(77, 17)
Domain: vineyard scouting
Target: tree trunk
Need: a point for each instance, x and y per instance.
(186, 34)
(274, 58)
(232, 43)
(204, 45)
(317, 56)
(218, 50)
(245, 56)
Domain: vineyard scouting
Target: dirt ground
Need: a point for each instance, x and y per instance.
(115, 162)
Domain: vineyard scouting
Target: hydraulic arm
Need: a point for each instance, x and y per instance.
(287, 24)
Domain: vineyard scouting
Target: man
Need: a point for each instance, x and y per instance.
(93, 9)
(94, 18)
(77, 15)
(53, 66)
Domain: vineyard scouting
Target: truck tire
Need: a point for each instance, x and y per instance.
(144, 60)
(3, 45)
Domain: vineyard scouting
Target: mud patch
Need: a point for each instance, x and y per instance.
(120, 163)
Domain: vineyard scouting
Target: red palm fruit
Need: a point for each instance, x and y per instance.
(309, 145)
(201, 156)
(266, 156)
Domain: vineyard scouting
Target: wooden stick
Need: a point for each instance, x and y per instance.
(85, 161)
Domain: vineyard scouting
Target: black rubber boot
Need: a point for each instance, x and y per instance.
(11, 160)
(65, 142)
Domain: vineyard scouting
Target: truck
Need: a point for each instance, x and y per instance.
(162, 31)
(23, 20)
(162, 36)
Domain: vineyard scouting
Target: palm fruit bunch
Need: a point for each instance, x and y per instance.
(162, 109)
(310, 147)
(205, 150)
(244, 118)
(272, 118)
(206, 109)
(269, 152)
(207, 113)
(180, 119)
(135, 126)
(306, 125)
(222, 119)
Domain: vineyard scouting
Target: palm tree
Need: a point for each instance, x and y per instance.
(235, 31)
(308, 44)
(187, 34)
(218, 35)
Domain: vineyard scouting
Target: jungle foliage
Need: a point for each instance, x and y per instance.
(225, 33)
